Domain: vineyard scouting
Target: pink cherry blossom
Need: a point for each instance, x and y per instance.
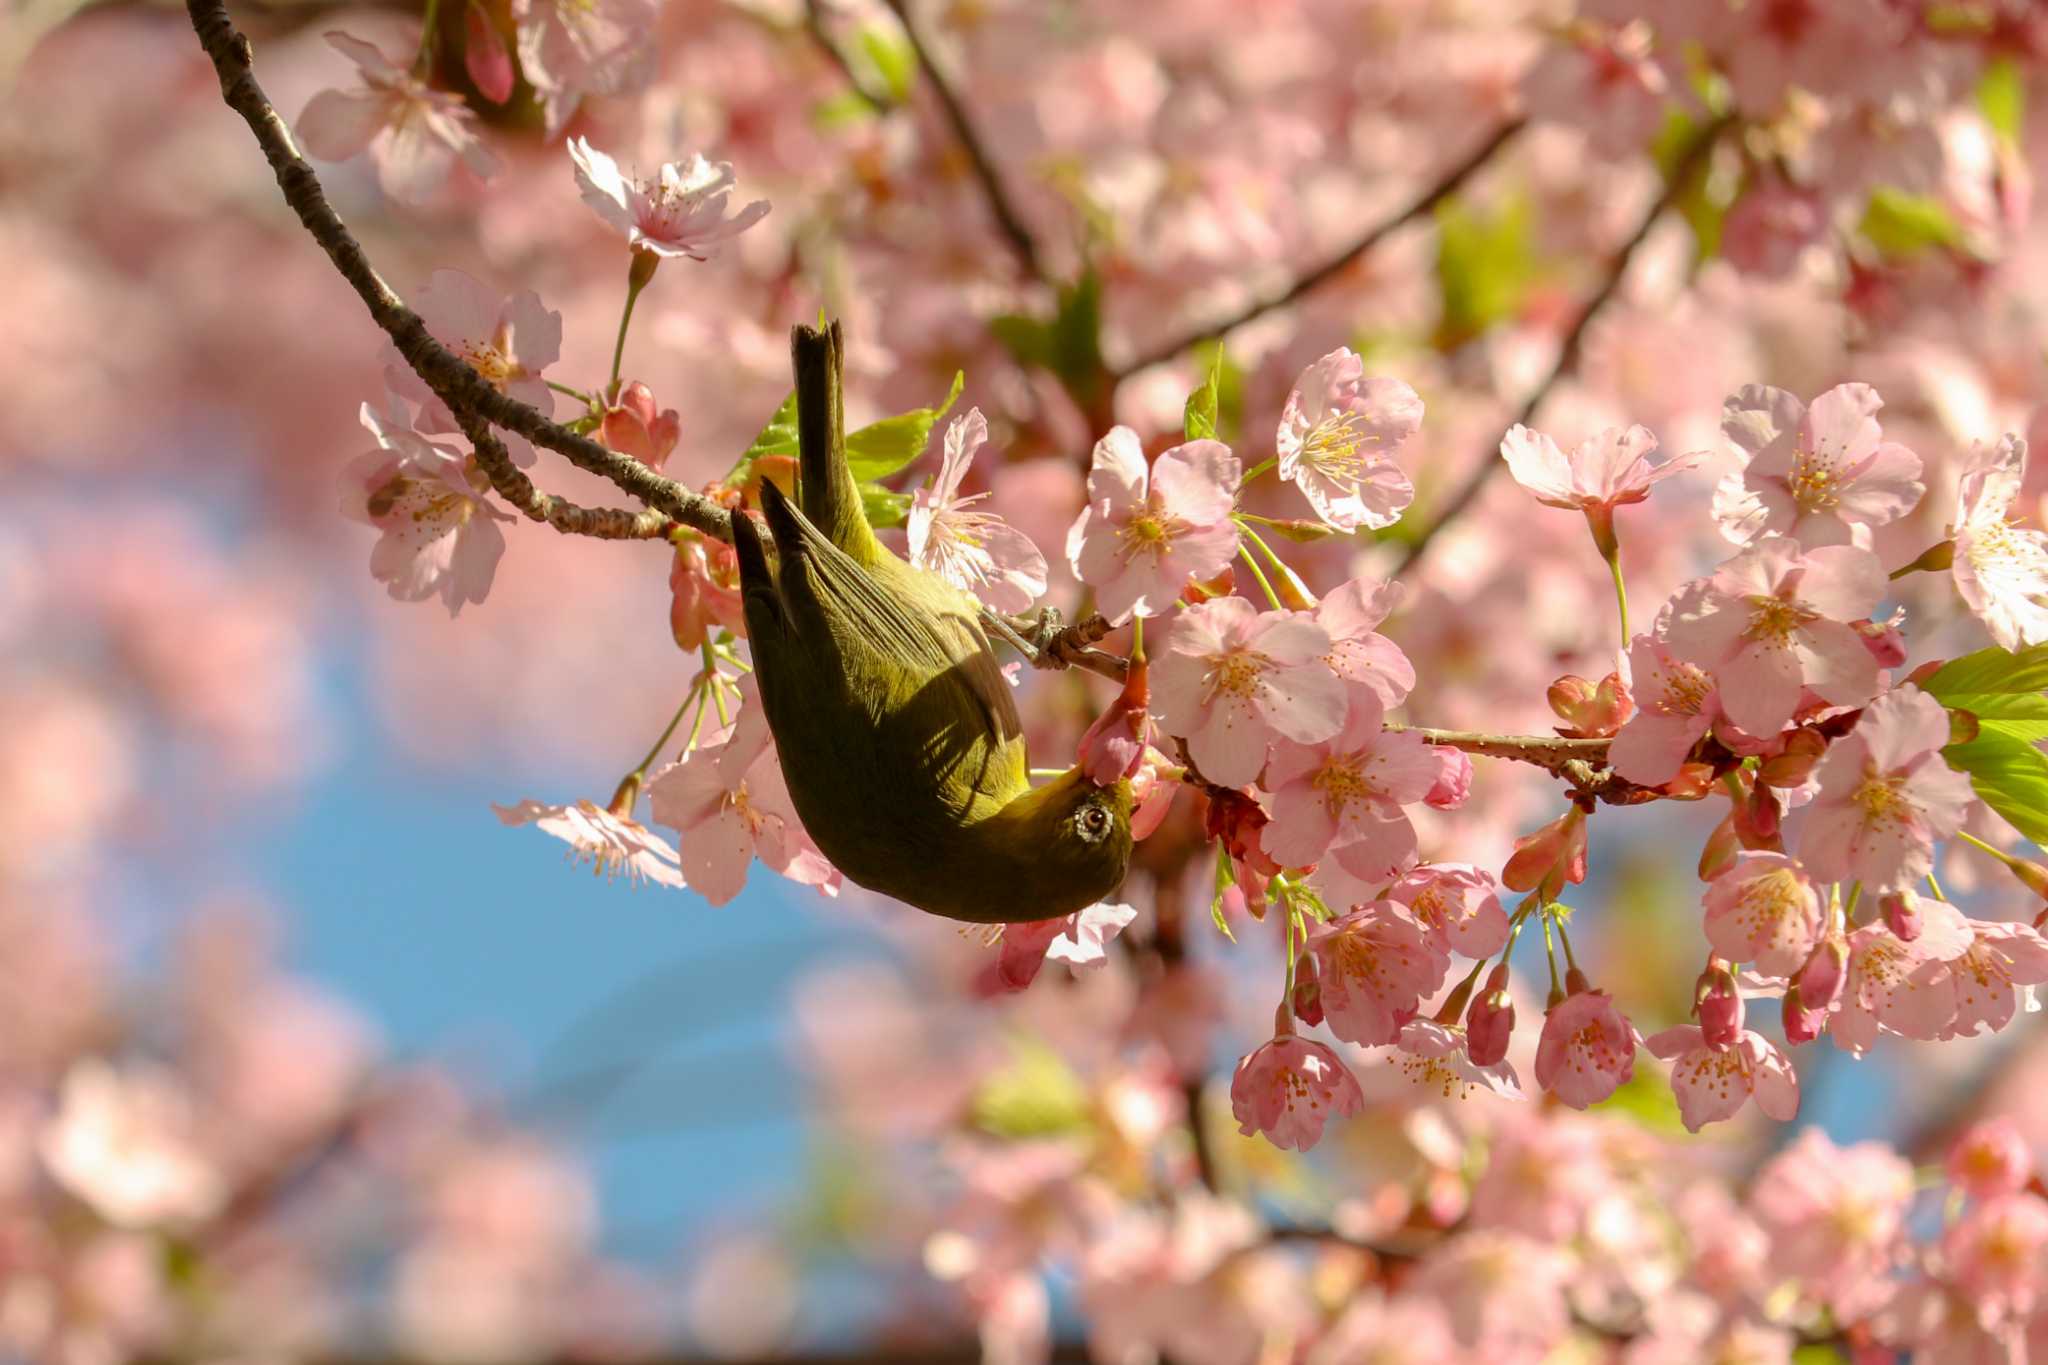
(1822, 475)
(1905, 987)
(419, 133)
(1885, 795)
(976, 551)
(1359, 654)
(126, 1142)
(2000, 569)
(1771, 225)
(1676, 704)
(1337, 437)
(1836, 1216)
(1147, 530)
(1374, 966)
(1458, 903)
(1773, 620)
(612, 844)
(1288, 1088)
(1434, 1058)
(1232, 679)
(1603, 472)
(680, 212)
(572, 48)
(704, 591)
(1347, 790)
(727, 804)
(1991, 1157)
(1453, 785)
(507, 340)
(1079, 940)
(1764, 911)
(1586, 1050)
(439, 535)
(1996, 975)
(634, 426)
(485, 58)
(1601, 80)
(1712, 1084)
(1550, 857)
(1997, 1256)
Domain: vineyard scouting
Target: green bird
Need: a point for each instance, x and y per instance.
(895, 727)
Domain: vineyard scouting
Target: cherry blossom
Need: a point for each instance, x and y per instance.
(439, 535)
(976, 551)
(1359, 654)
(2001, 569)
(1764, 910)
(1835, 1215)
(1601, 80)
(680, 212)
(1773, 620)
(704, 591)
(633, 426)
(1078, 940)
(727, 804)
(1712, 1084)
(1457, 902)
(572, 48)
(1337, 437)
(507, 340)
(125, 1141)
(1995, 976)
(1288, 1088)
(1822, 475)
(1434, 1058)
(1587, 1049)
(419, 133)
(1347, 791)
(1374, 965)
(1885, 795)
(1233, 679)
(1603, 472)
(1995, 1256)
(1147, 530)
(1906, 987)
(1990, 1158)
(611, 843)
(1676, 703)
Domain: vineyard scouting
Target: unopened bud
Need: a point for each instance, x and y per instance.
(1590, 710)
(1308, 991)
(1820, 980)
(1756, 821)
(1802, 1025)
(1550, 857)
(1491, 1021)
(1902, 916)
(1718, 855)
(1719, 1006)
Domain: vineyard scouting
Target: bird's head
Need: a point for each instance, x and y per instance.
(1076, 839)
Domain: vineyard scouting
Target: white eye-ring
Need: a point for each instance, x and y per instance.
(1092, 823)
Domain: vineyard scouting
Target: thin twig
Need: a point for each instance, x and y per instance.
(459, 386)
(511, 483)
(1449, 184)
(992, 188)
(1570, 351)
(814, 24)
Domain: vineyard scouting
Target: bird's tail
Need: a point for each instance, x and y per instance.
(758, 595)
(826, 490)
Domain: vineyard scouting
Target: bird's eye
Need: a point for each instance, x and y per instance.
(1092, 823)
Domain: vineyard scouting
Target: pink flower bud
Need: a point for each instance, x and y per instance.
(704, 591)
(1152, 789)
(1820, 981)
(1990, 1158)
(1453, 778)
(633, 427)
(1550, 857)
(1756, 821)
(1794, 762)
(1308, 991)
(1902, 916)
(1718, 1005)
(1202, 590)
(1589, 710)
(1114, 746)
(484, 56)
(1491, 1021)
(2033, 876)
(1802, 1025)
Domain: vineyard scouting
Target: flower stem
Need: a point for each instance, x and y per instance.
(717, 693)
(1137, 639)
(637, 277)
(695, 694)
(430, 32)
(1550, 961)
(1264, 549)
(1261, 467)
(1620, 594)
(1260, 574)
(579, 395)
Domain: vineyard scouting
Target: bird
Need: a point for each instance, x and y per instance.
(896, 730)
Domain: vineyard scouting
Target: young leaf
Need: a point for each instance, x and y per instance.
(1226, 877)
(1198, 420)
(2004, 691)
(777, 438)
(881, 448)
(883, 507)
(2011, 776)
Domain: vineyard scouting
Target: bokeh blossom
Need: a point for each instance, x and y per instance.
(418, 133)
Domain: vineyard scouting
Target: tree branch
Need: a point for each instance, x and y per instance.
(814, 24)
(511, 483)
(1449, 184)
(459, 386)
(1682, 174)
(1022, 244)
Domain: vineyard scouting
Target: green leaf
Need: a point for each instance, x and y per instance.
(884, 507)
(1226, 877)
(1198, 418)
(1646, 1097)
(2002, 96)
(1036, 1095)
(894, 60)
(846, 109)
(880, 449)
(777, 438)
(1484, 266)
(2005, 691)
(1902, 225)
(1703, 201)
(1069, 344)
(1818, 1353)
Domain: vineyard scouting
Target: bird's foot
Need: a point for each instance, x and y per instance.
(1048, 642)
